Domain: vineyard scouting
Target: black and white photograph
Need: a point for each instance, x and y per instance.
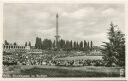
(59, 40)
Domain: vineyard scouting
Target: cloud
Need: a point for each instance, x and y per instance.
(42, 15)
(95, 36)
(80, 13)
(108, 11)
(87, 22)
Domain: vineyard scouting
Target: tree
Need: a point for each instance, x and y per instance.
(6, 42)
(62, 44)
(54, 44)
(91, 46)
(88, 46)
(68, 46)
(71, 46)
(15, 43)
(38, 44)
(47, 44)
(29, 44)
(26, 44)
(75, 46)
(85, 46)
(114, 50)
(81, 46)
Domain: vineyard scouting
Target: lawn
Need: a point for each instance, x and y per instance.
(58, 71)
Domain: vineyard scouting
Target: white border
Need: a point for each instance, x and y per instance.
(67, 2)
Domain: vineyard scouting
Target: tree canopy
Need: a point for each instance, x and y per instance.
(114, 50)
(67, 45)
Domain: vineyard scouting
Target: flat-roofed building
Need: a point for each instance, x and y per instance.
(13, 47)
(20, 49)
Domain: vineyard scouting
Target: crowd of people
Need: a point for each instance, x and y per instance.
(47, 57)
(79, 62)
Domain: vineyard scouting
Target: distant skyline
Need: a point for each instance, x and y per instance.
(77, 22)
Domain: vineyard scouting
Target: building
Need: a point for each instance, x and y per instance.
(13, 47)
(20, 49)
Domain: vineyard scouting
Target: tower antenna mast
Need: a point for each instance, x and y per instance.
(57, 31)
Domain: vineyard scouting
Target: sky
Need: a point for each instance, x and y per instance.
(26, 21)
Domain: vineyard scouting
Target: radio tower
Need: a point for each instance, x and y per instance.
(57, 32)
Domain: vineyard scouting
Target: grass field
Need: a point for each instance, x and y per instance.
(58, 71)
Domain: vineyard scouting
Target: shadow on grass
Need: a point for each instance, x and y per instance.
(55, 72)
